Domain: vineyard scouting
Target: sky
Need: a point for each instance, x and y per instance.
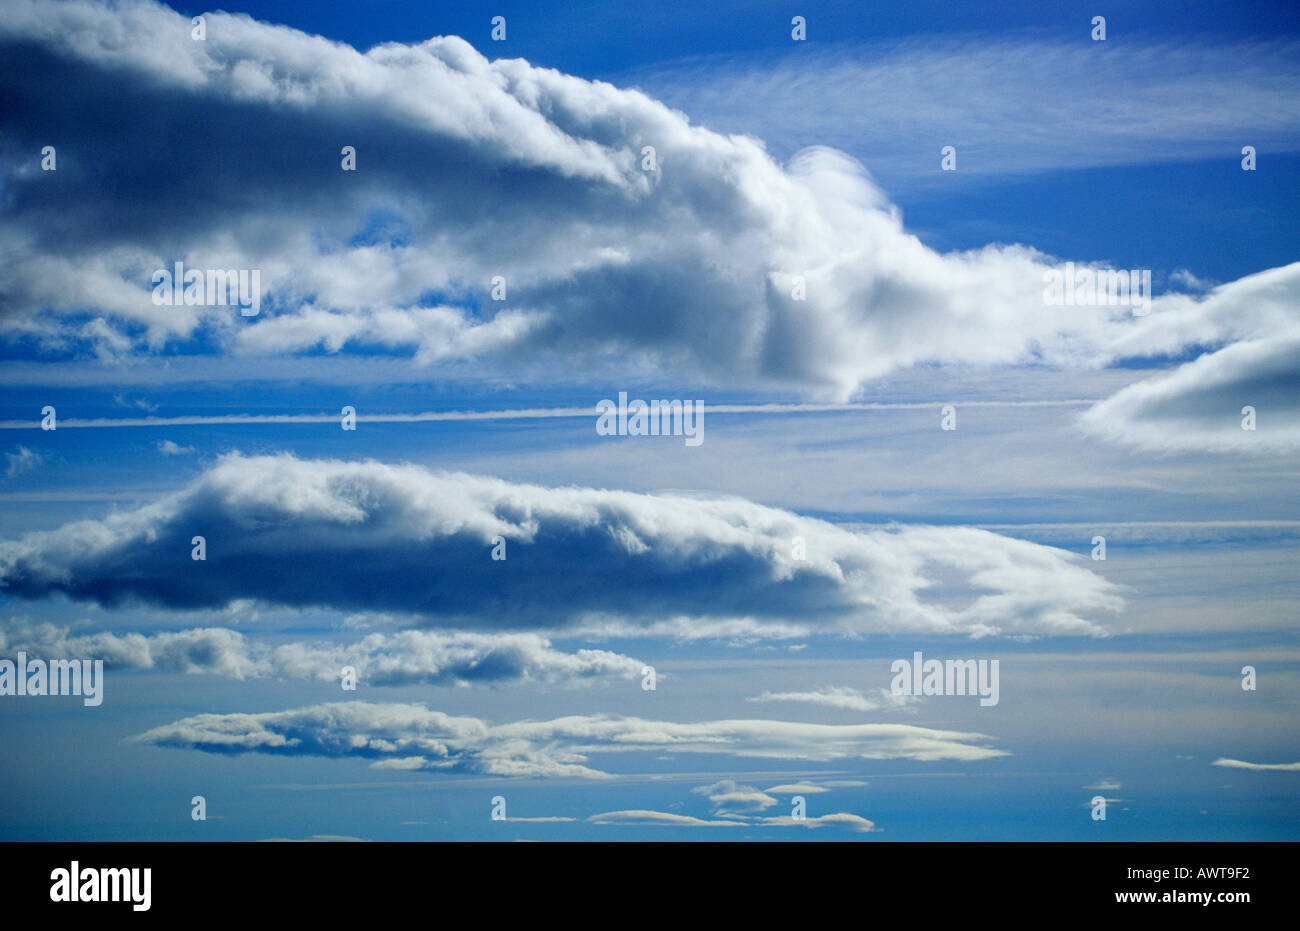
(362, 559)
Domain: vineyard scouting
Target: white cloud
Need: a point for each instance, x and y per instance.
(1105, 785)
(22, 460)
(730, 799)
(405, 657)
(998, 98)
(838, 696)
(1242, 764)
(727, 794)
(370, 536)
(141, 403)
(856, 822)
(643, 816)
(412, 737)
(472, 168)
(1200, 405)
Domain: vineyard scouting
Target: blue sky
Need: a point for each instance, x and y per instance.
(781, 164)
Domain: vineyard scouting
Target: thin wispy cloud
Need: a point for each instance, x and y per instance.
(1104, 785)
(838, 696)
(21, 460)
(854, 822)
(1000, 97)
(167, 447)
(664, 818)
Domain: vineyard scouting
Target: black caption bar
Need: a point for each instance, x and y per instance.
(148, 881)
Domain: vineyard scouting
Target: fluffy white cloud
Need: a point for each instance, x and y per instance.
(468, 169)
(412, 737)
(1201, 405)
(372, 536)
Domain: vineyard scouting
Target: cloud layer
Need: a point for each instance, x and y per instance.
(408, 657)
(412, 737)
(372, 536)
